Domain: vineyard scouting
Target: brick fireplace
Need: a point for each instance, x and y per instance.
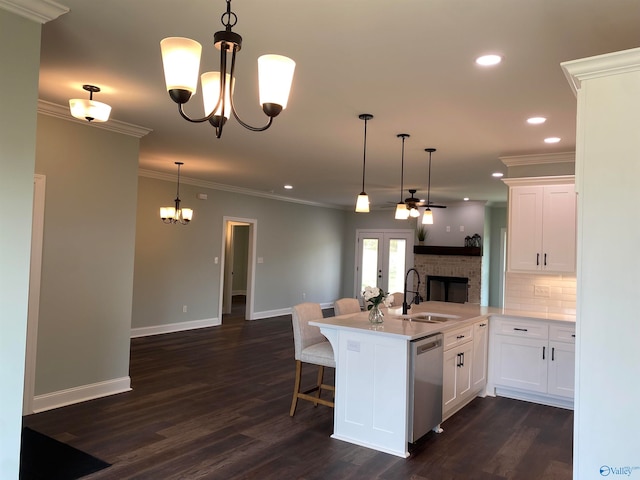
(451, 262)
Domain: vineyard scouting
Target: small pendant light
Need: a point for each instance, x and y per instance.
(401, 208)
(362, 203)
(427, 217)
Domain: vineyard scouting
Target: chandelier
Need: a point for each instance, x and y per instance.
(176, 214)
(181, 61)
(89, 110)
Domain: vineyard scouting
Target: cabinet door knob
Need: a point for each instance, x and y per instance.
(544, 349)
(545, 259)
(537, 259)
(553, 354)
(521, 329)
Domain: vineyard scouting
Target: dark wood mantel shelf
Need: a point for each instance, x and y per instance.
(443, 250)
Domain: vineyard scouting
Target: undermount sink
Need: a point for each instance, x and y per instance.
(428, 317)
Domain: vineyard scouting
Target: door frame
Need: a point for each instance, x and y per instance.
(409, 232)
(35, 272)
(226, 257)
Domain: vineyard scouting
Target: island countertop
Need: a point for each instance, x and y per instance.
(459, 315)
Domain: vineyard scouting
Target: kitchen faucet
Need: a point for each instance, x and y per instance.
(416, 298)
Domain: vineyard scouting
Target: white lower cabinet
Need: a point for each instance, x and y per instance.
(533, 360)
(465, 366)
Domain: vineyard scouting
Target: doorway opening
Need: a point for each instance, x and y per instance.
(237, 272)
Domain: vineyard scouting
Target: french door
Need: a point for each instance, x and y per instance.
(383, 257)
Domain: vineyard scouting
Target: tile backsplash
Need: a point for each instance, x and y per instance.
(541, 293)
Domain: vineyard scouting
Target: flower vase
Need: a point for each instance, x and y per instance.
(376, 316)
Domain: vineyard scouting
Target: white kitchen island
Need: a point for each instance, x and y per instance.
(372, 371)
(373, 368)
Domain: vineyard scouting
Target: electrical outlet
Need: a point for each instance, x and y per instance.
(541, 291)
(184, 309)
(304, 295)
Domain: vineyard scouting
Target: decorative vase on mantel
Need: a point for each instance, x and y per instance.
(376, 317)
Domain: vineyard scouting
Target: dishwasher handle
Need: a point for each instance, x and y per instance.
(427, 347)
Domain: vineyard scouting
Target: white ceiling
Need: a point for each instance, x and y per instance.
(410, 63)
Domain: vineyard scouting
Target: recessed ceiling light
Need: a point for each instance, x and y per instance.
(466, 199)
(488, 60)
(536, 120)
(497, 174)
(288, 187)
(552, 140)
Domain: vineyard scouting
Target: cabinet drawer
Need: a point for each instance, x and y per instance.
(458, 337)
(562, 333)
(520, 328)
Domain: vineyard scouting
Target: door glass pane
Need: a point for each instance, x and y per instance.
(370, 248)
(397, 256)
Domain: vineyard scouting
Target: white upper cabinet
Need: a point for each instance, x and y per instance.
(542, 225)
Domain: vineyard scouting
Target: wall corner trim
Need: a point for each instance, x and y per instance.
(41, 11)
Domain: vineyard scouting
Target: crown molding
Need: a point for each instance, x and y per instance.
(528, 181)
(605, 65)
(41, 11)
(230, 188)
(58, 111)
(538, 159)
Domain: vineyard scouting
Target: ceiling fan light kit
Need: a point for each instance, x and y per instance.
(181, 62)
(89, 110)
(176, 214)
(362, 202)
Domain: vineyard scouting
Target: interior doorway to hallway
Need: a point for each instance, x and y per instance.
(237, 272)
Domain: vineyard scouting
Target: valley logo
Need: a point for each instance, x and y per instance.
(606, 470)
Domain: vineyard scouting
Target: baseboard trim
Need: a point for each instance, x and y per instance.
(174, 327)
(283, 311)
(62, 398)
(535, 398)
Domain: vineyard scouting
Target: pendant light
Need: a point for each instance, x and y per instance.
(176, 214)
(362, 203)
(401, 208)
(89, 110)
(427, 217)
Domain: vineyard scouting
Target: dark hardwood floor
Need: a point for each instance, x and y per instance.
(213, 404)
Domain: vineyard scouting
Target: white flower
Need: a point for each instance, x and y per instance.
(370, 292)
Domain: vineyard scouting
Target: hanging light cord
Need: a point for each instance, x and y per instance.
(364, 154)
(178, 187)
(403, 136)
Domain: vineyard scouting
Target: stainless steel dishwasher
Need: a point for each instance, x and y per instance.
(425, 393)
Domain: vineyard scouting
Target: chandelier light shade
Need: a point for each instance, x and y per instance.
(362, 203)
(176, 214)
(89, 110)
(181, 61)
(427, 216)
(402, 213)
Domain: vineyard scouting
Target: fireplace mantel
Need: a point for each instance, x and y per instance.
(444, 250)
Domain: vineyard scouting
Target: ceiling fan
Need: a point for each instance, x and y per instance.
(413, 202)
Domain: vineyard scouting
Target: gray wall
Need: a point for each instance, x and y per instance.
(19, 82)
(301, 247)
(497, 217)
(87, 259)
(240, 258)
(469, 215)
